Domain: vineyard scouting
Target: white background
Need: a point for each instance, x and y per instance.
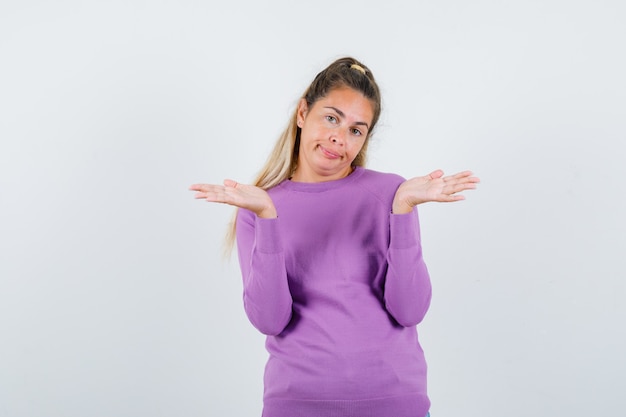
(114, 297)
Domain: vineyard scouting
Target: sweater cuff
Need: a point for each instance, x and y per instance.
(267, 235)
(404, 230)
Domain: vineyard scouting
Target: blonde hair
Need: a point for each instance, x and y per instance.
(282, 161)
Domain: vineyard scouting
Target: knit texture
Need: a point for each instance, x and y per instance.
(338, 285)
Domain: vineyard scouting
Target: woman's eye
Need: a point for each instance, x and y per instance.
(356, 132)
(331, 119)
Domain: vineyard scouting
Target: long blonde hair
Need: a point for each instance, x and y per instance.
(282, 161)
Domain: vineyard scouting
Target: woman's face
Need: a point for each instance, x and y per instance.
(334, 130)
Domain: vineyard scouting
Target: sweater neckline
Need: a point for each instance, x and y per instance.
(316, 187)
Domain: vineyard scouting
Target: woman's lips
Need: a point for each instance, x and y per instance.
(328, 153)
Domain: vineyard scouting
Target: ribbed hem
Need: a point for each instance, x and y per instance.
(414, 405)
(267, 235)
(404, 230)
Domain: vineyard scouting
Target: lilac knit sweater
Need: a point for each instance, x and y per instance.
(338, 284)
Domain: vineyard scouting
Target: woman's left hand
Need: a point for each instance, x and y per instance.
(432, 187)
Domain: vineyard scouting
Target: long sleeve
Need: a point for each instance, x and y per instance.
(266, 297)
(407, 285)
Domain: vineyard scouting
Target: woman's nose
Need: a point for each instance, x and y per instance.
(338, 137)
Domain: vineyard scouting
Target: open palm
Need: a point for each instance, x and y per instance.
(244, 196)
(432, 187)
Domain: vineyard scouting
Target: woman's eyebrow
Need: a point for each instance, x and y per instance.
(340, 113)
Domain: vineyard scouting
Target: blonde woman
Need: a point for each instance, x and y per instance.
(331, 259)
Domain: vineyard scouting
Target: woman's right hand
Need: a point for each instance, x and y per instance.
(244, 196)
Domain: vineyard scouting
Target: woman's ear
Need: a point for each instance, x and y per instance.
(303, 109)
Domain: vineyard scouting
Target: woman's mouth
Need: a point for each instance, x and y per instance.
(328, 153)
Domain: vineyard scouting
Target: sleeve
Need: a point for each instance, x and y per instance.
(266, 297)
(407, 286)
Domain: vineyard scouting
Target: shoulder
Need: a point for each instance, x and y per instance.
(382, 185)
(381, 178)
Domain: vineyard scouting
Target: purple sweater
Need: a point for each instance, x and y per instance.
(338, 284)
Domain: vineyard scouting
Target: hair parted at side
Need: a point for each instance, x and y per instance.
(282, 161)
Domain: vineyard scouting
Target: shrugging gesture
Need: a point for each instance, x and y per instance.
(432, 187)
(337, 284)
(244, 196)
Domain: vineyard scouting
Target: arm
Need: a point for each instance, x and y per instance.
(266, 296)
(407, 286)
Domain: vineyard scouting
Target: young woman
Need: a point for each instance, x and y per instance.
(331, 259)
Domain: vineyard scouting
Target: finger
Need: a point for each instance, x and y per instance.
(436, 174)
(458, 175)
(208, 195)
(204, 188)
(451, 189)
(230, 183)
(218, 197)
(454, 180)
(449, 198)
(213, 193)
(467, 176)
(197, 187)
